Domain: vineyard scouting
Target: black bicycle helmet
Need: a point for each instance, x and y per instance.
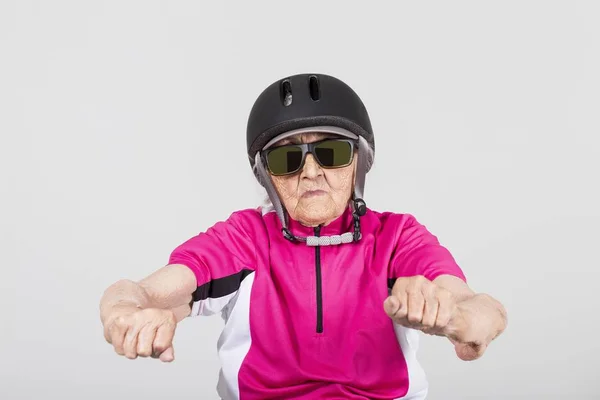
(303, 101)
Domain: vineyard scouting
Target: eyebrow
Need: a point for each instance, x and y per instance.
(297, 140)
(292, 140)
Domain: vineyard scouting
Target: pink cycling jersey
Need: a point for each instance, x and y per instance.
(307, 322)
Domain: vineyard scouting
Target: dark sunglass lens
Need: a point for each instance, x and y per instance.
(284, 160)
(334, 153)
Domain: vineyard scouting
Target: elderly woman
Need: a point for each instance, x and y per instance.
(321, 296)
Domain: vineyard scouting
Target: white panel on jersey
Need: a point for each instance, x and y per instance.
(210, 306)
(409, 342)
(234, 342)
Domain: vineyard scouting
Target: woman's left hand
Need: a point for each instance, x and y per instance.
(470, 321)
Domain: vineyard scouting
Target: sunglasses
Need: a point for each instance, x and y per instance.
(329, 153)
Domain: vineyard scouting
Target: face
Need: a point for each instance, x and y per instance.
(315, 195)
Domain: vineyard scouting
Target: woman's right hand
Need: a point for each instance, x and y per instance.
(142, 332)
(139, 318)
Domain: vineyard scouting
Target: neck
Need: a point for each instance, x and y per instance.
(333, 226)
(315, 223)
(343, 229)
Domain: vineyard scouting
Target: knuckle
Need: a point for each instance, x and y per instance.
(443, 318)
(401, 313)
(143, 315)
(150, 311)
(429, 289)
(169, 317)
(131, 352)
(164, 340)
(172, 317)
(413, 289)
(131, 333)
(446, 298)
(416, 299)
(121, 321)
(417, 282)
(444, 293)
(426, 318)
(117, 344)
(166, 337)
(160, 347)
(145, 351)
(414, 317)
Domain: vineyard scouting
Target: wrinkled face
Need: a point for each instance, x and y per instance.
(315, 195)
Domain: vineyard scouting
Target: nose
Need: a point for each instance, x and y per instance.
(311, 169)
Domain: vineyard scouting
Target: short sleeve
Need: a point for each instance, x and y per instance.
(418, 252)
(221, 258)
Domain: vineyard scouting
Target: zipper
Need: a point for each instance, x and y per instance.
(319, 284)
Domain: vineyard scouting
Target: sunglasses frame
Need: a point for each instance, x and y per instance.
(309, 148)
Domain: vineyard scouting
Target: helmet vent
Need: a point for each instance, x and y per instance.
(315, 92)
(286, 92)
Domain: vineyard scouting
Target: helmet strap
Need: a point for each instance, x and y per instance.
(359, 206)
(271, 192)
(361, 168)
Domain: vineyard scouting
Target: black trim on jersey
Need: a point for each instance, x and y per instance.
(391, 282)
(220, 287)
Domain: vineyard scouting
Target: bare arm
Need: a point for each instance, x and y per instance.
(165, 295)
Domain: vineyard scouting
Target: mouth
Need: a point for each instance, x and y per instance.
(313, 193)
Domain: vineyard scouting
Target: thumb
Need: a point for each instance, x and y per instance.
(391, 305)
(168, 355)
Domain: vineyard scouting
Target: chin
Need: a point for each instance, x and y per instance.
(316, 212)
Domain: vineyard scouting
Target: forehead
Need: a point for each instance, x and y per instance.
(306, 137)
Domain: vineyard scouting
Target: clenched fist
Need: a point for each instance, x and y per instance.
(142, 332)
(417, 303)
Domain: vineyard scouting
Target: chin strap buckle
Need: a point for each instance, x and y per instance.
(360, 207)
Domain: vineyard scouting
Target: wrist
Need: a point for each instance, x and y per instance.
(488, 313)
(478, 319)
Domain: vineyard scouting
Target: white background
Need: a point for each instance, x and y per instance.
(120, 119)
